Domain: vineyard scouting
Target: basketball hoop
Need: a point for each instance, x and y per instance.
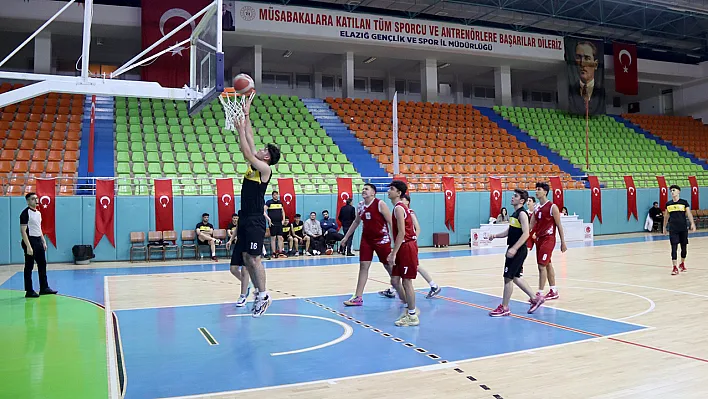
(233, 104)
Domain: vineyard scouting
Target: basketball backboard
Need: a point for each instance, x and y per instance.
(206, 65)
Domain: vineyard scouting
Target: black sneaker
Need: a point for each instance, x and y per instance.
(47, 291)
(388, 293)
(31, 294)
(433, 291)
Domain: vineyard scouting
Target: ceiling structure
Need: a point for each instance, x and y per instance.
(664, 30)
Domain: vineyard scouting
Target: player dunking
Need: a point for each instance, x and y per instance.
(677, 210)
(252, 223)
(375, 238)
(545, 221)
(434, 288)
(518, 233)
(404, 255)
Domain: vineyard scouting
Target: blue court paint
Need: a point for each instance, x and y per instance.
(165, 355)
(88, 283)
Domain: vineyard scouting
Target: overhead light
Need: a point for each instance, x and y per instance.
(443, 66)
(369, 60)
(287, 54)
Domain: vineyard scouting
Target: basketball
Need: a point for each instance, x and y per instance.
(243, 84)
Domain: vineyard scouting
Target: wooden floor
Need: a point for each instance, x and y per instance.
(628, 282)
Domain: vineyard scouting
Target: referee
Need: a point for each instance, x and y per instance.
(34, 246)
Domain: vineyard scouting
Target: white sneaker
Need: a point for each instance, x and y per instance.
(261, 305)
(241, 301)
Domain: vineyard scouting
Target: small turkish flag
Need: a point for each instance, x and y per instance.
(164, 212)
(287, 197)
(663, 192)
(448, 185)
(105, 211)
(595, 199)
(46, 191)
(557, 188)
(694, 192)
(495, 196)
(631, 197)
(225, 201)
(344, 187)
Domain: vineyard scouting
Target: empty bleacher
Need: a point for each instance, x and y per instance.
(615, 149)
(39, 137)
(157, 138)
(445, 139)
(682, 131)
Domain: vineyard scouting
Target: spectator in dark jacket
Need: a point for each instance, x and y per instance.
(329, 231)
(346, 217)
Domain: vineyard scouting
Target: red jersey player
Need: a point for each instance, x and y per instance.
(404, 255)
(546, 219)
(375, 238)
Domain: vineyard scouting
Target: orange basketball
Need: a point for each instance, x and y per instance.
(243, 84)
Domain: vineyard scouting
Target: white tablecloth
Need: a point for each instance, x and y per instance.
(574, 228)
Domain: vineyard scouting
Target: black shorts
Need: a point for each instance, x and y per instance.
(250, 236)
(514, 267)
(276, 230)
(678, 237)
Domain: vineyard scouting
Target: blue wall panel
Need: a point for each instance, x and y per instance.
(75, 217)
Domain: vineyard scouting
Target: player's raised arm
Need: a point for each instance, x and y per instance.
(249, 127)
(248, 151)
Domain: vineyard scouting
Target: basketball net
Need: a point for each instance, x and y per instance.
(233, 104)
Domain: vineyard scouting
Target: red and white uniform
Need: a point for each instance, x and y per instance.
(406, 262)
(545, 228)
(375, 236)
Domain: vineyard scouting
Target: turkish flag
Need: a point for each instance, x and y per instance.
(625, 64)
(287, 197)
(495, 196)
(344, 187)
(595, 199)
(225, 200)
(164, 213)
(694, 192)
(105, 211)
(159, 18)
(663, 192)
(401, 178)
(448, 185)
(631, 197)
(557, 188)
(46, 191)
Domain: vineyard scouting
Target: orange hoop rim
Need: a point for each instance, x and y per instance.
(231, 92)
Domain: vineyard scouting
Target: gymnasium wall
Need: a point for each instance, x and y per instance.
(75, 218)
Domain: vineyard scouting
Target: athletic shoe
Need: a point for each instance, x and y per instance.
(241, 301)
(328, 251)
(31, 294)
(47, 291)
(354, 301)
(261, 305)
(536, 303)
(675, 271)
(388, 293)
(552, 295)
(682, 267)
(433, 291)
(407, 320)
(500, 311)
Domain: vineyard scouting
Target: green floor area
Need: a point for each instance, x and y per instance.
(51, 347)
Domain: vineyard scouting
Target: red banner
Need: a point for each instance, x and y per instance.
(46, 191)
(344, 188)
(401, 178)
(595, 199)
(286, 187)
(164, 212)
(105, 211)
(159, 18)
(694, 192)
(495, 197)
(625, 64)
(225, 201)
(448, 185)
(663, 192)
(631, 197)
(557, 188)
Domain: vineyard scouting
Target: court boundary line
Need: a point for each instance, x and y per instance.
(653, 305)
(113, 381)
